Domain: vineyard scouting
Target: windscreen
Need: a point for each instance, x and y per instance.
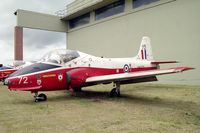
(33, 68)
(61, 56)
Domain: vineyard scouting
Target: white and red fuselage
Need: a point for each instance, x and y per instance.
(68, 69)
(74, 73)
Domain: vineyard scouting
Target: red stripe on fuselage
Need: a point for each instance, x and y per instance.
(106, 71)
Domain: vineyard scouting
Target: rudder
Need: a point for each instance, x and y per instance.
(145, 51)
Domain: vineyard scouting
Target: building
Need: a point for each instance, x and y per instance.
(114, 28)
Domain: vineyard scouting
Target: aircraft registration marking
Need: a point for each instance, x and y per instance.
(49, 75)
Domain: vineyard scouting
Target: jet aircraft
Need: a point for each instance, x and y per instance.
(71, 70)
(5, 71)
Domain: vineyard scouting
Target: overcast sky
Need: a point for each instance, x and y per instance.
(36, 42)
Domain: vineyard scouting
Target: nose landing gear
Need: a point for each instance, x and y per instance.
(40, 98)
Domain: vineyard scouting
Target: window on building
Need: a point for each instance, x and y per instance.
(139, 3)
(109, 10)
(80, 20)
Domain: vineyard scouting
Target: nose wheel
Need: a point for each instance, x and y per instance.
(115, 92)
(40, 98)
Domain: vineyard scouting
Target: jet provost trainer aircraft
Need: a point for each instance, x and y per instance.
(72, 70)
(5, 71)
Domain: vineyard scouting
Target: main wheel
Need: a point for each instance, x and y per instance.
(41, 97)
(114, 93)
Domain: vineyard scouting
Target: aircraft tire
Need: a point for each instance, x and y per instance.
(41, 97)
(114, 93)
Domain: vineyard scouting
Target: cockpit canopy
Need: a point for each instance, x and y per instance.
(51, 60)
(60, 56)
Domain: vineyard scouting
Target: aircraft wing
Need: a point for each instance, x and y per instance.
(134, 75)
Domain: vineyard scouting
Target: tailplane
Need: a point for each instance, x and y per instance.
(145, 51)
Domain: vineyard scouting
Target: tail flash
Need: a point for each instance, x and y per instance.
(145, 52)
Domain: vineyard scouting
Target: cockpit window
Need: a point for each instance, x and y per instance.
(60, 56)
(34, 68)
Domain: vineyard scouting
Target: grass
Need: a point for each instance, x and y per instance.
(142, 108)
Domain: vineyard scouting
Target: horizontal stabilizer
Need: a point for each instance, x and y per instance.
(163, 62)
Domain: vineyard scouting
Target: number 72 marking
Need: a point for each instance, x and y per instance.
(23, 80)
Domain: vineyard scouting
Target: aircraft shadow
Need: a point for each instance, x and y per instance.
(95, 96)
(131, 100)
(90, 95)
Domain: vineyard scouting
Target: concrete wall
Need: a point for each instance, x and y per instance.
(41, 21)
(173, 27)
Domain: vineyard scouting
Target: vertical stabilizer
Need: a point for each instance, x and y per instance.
(145, 51)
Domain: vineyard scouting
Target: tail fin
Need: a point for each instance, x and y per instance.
(145, 52)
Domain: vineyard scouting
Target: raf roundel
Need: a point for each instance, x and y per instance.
(126, 68)
(60, 77)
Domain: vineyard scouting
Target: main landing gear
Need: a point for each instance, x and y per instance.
(40, 98)
(115, 92)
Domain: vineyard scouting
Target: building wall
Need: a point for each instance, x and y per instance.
(173, 28)
(34, 20)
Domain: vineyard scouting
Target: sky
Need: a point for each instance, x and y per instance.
(36, 42)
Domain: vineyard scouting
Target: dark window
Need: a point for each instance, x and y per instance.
(78, 21)
(33, 68)
(109, 10)
(138, 3)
